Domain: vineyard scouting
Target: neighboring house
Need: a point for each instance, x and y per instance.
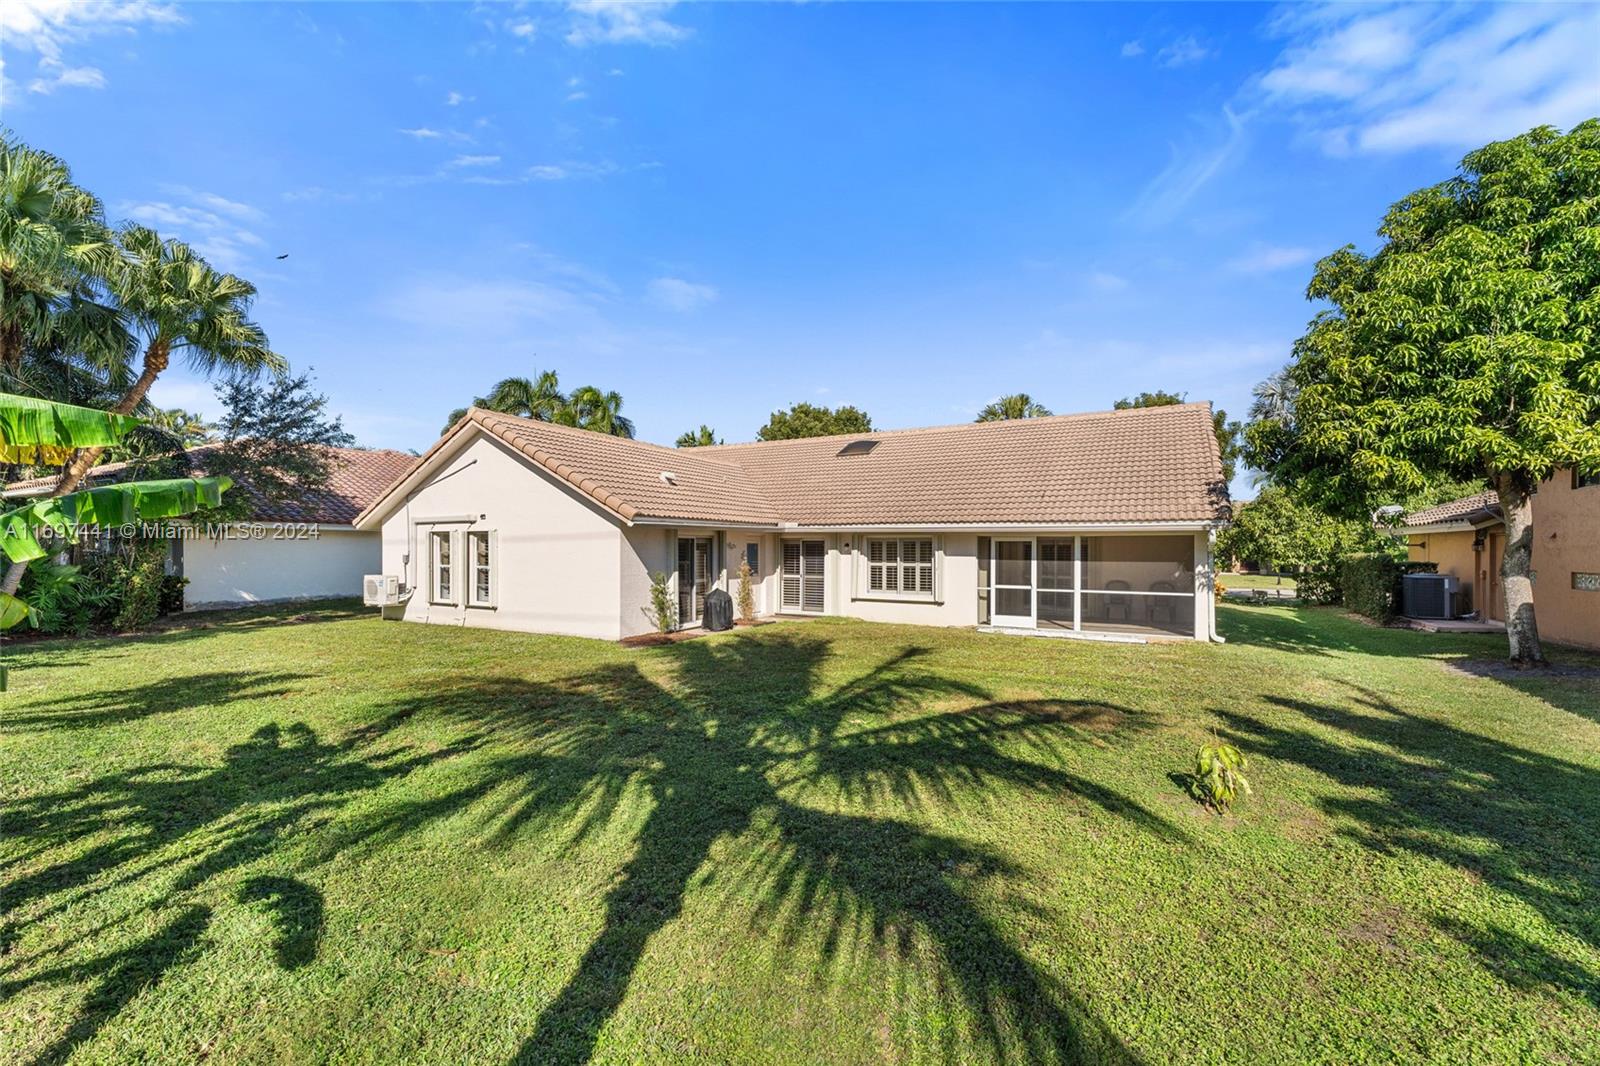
(1466, 538)
(300, 549)
(1088, 524)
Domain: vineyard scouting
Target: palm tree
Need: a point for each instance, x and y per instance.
(1274, 398)
(1017, 405)
(589, 408)
(538, 398)
(698, 438)
(186, 426)
(176, 304)
(53, 244)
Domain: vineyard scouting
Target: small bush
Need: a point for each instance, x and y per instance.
(662, 611)
(747, 595)
(1219, 777)
(1318, 585)
(172, 587)
(62, 600)
(144, 566)
(1370, 583)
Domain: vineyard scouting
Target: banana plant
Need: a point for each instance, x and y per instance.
(41, 431)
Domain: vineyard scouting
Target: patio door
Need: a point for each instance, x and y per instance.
(804, 569)
(694, 578)
(1015, 573)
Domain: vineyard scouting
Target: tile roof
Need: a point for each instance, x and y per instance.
(1469, 508)
(358, 478)
(1158, 464)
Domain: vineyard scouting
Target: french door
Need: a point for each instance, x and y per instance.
(804, 569)
(1015, 578)
(694, 578)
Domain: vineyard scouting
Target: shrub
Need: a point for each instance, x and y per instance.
(1318, 584)
(1371, 583)
(661, 610)
(172, 587)
(63, 600)
(144, 565)
(1219, 777)
(747, 595)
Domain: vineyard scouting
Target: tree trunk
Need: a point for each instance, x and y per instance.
(1516, 573)
(156, 357)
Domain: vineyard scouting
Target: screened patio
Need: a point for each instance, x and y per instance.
(1141, 585)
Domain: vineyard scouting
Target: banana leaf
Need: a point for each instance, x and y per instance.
(12, 610)
(40, 431)
(109, 505)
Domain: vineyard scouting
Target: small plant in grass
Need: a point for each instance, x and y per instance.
(1219, 777)
(747, 594)
(661, 610)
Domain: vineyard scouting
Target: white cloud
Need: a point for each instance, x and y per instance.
(1394, 78)
(48, 28)
(1191, 168)
(571, 169)
(676, 294)
(574, 97)
(1132, 49)
(456, 99)
(641, 22)
(1185, 50)
(423, 133)
(474, 160)
(1104, 281)
(1266, 258)
(213, 225)
(523, 28)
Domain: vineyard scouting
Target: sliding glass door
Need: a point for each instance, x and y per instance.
(694, 578)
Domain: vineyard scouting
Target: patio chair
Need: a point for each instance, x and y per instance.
(1162, 608)
(1116, 602)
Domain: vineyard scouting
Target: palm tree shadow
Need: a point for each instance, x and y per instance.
(728, 739)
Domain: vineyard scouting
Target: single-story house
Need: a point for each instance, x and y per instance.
(305, 548)
(1466, 539)
(1077, 524)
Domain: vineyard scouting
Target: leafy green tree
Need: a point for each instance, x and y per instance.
(1228, 433)
(539, 398)
(1017, 405)
(809, 420)
(1280, 533)
(703, 437)
(274, 440)
(1465, 348)
(54, 246)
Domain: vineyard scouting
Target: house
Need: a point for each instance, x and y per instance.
(1466, 539)
(298, 549)
(1090, 524)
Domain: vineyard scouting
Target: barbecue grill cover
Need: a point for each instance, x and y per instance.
(719, 610)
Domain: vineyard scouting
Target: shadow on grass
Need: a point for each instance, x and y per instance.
(1520, 821)
(115, 706)
(742, 738)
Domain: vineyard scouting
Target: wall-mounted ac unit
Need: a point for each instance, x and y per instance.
(1427, 595)
(380, 590)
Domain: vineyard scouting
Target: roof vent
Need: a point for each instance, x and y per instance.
(668, 477)
(858, 447)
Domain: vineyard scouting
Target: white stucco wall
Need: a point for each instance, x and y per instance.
(243, 569)
(559, 567)
(957, 603)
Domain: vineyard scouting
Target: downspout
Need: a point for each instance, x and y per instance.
(1211, 585)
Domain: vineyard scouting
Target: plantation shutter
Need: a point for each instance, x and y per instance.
(814, 560)
(790, 582)
(983, 581)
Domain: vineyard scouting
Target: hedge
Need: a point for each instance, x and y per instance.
(1370, 583)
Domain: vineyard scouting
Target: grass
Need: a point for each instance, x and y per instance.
(349, 840)
(1255, 581)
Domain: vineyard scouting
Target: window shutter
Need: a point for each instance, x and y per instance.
(494, 568)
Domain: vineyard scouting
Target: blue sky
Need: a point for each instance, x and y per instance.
(720, 210)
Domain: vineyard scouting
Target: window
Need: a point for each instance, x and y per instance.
(443, 568)
(902, 567)
(480, 566)
(1583, 481)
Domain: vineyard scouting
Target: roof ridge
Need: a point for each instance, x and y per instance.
(953, 426)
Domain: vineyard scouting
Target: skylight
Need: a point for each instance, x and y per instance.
(858, 447)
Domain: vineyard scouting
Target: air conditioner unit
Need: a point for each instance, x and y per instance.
(380, 590)
(1427, 595)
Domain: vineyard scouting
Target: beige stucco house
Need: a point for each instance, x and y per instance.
(1083, 525)
(1466, 539)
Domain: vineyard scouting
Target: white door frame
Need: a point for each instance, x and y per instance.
(1015, 621)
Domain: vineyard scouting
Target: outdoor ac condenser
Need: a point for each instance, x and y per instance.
(380, 590)
(1427, 595)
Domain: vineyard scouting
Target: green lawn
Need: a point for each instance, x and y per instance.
(1255, 581)
(350, 840)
